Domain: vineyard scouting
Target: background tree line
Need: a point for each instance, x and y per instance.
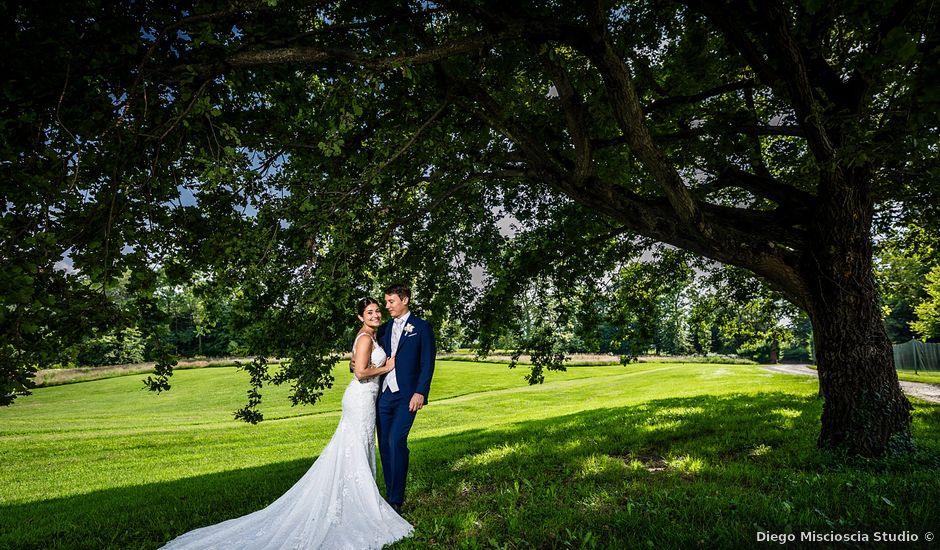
(670, 303)
(192, 327)
(676, 304)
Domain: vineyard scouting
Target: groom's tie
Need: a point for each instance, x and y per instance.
(391, 381)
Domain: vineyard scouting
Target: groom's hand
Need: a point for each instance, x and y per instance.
(417, 401)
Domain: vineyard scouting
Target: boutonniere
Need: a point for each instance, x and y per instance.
(409, 328)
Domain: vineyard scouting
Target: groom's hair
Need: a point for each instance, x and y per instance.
(401, 290)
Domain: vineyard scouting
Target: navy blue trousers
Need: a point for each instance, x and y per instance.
(394, 422)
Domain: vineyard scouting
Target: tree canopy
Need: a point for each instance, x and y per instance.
(295, 155)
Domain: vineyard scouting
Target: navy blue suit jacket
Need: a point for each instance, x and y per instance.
(414, 361)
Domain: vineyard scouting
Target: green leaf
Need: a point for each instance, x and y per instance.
(813, 7)
(899, 45)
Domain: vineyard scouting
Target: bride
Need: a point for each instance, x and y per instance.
(336, 504)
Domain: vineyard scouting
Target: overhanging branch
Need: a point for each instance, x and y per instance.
(774, 52)
(701, 96)
(626, 107)
(711, 130)
(316, 55)
(575, 116)
(750, 129)
(762, 186)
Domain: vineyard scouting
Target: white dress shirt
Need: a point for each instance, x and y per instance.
(398, 325)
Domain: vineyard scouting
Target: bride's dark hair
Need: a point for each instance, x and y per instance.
(363, 303)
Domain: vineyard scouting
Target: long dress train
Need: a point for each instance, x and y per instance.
(336, 504)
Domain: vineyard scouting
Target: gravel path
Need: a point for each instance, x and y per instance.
(920, 390)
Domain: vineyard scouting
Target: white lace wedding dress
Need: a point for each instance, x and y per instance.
(336, 504)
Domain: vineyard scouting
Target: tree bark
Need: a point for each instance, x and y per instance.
(865, 411)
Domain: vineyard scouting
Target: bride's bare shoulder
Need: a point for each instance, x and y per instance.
(358, 340)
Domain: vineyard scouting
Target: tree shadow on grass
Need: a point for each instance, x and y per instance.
(698, 471)
(145, 516)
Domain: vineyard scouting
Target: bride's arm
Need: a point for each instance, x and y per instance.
(389, 365)
(361, 356)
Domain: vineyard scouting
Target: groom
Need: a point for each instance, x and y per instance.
(404, 390)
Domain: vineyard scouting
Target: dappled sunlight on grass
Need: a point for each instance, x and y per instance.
(686, 464)
(596, 465)
(488, 456)
(786, 418)
(600, 501)
(759, 450)
(651, 455)
(726, 465)
(789, 413)
(668, 419)
(635, 465)
(658, 426)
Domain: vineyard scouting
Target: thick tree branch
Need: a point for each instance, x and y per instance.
(762, 242)
(501, 174)
(859, 83)
(747, 129)
(762, 186)
(701, 96)
(785, 61)
(711, 130)
(755, 151)
(721, 15)
(626, 106)
(800, 83)
(477, 100)
(575, 117)
(315, 55)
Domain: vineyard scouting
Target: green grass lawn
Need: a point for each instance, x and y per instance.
(930, 377)
(647, 455)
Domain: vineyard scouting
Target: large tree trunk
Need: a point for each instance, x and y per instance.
(865, 411)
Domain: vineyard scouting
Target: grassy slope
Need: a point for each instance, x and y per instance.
(930, 377)
(660, 454)
(58, 377)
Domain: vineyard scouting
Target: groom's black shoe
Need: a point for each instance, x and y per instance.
(396, 507)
